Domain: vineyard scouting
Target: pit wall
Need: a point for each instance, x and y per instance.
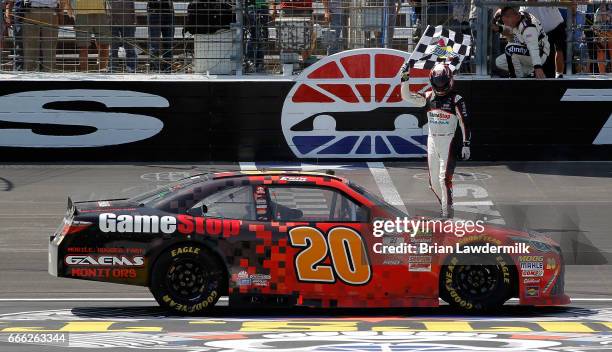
(310, 117)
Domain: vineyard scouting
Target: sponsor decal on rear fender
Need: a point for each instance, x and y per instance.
(104, 266)
(104, 260)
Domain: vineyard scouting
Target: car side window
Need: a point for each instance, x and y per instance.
(228, 203)
(313, 204)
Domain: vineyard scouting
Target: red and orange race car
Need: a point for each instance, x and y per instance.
(297, 239)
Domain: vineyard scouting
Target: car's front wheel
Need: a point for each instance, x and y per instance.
(187, 279)
(476, 283)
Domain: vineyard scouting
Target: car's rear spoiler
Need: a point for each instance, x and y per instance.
(72, 205)
(98, 200)
(71, 209)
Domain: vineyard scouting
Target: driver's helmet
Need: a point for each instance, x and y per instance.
(441, 79)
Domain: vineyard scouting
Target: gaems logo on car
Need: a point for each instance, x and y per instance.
(104, 260)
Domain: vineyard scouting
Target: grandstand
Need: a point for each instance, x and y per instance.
(280, 36)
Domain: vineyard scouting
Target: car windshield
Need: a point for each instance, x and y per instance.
(378, 202)
(163, 191)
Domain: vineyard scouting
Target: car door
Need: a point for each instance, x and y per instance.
(247, 252)
(328, 259)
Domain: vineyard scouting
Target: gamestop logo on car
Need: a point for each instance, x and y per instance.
(110, 222)
(348, 105)
(183, 224)
(104, 260)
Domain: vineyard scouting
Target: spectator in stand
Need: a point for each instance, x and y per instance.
(123, 28)
(299, 11)
(40, 31)
(473, 19)
(438, 12)
(589, 37)
(13, 12)
(161, 34)
(578, 37)
(603, 36)
(383, 35)
(554, 26)
(258, 17)
(333, 16)
(4, 24)
(16, 20)
(91, 18)
(459, 21)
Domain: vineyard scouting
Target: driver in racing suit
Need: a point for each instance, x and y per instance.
(446, 110)
(528, 46)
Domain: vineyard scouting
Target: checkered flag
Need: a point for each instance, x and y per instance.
(438, 44)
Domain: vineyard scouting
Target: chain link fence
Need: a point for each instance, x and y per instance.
(234, 37)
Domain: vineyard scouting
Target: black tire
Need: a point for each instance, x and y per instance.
(476, 282)
(187, 279)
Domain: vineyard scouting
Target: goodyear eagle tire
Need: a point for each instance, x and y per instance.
(475, 283)
(187, 279)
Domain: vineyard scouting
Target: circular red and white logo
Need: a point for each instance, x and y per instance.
(348, 105)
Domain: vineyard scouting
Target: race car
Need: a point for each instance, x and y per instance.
(280, 238)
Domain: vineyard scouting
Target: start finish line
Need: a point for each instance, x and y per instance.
(375, 324)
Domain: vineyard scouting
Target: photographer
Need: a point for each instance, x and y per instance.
(527, 47)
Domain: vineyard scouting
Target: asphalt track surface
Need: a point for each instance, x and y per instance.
(570, 201)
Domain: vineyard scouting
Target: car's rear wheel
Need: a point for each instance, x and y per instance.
(476, 283)
(187, 279)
